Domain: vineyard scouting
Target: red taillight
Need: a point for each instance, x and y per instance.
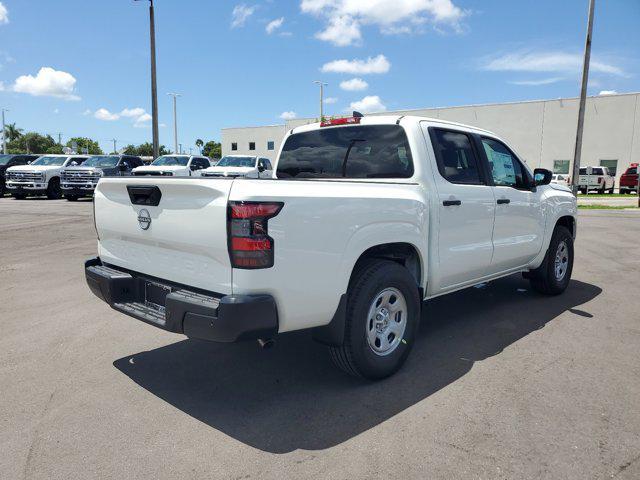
(250, 246)
(340, 121)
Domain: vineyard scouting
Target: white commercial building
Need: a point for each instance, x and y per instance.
(543, 132)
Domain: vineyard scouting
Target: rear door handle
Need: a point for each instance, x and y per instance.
(450, 203)
(502, 201)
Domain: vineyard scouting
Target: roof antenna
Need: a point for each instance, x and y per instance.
(357, 114)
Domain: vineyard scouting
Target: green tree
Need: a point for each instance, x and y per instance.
(199, 144)
(56, 149)
(144, 150)
(31, 142)
(212, 149)
(12, 132)
(130, 150)
(84, 144)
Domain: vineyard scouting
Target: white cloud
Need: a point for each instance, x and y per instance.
(369, 104)
(330, 100)
(354, 85)
(48, 82)
(290, 115)
(4, 14)
(608, 92)
(558, 62)
(344, 18)
(273, 25)
(535, 83)
(133, 112)
(106, 115)
(240, 15)
(371, 65)
(87, 112)
(143, 120)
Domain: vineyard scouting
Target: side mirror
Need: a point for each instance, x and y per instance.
(193, 167)
(542, 176)
(261, 168)
(122, 167)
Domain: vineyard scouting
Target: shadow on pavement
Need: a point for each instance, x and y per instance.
(291, 397)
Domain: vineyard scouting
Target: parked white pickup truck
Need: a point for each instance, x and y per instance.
(596, 178)
(367, 218)
(240, 166)
(40, 177)
(174, 166)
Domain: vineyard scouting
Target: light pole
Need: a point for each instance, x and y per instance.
(115, 141)
(175, 119)
(322, 85)
(154, 86)
(4, 133)
(583, 99)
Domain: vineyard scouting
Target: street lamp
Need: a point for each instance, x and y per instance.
(322, 85)
(154, 86)
(4, 133)
(175, 119)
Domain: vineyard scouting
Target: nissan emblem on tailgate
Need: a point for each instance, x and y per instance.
(144, 219)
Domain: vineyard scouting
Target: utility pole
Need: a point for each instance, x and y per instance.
(322, 85)
(115, 148)
(175, 118)
(59, 138)
(179, 150)
(154, 86)
(4, 133)
(575, 178)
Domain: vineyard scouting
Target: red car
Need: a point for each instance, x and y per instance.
(629, 179)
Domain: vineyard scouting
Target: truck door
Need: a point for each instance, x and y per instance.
(519, 225)
(466, 209)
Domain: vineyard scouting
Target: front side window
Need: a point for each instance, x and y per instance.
(364, 151)
(505, 167)
(594, 171)
(456, 157)
(170, 161)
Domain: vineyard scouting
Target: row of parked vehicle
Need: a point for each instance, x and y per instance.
(601, 180)
(76, 176)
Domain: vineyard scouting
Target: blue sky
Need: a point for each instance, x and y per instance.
(82, 67)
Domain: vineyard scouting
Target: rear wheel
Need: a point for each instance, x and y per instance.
(623, 191)
(383, 310)
(601, 190)
(554, 275)
(611, 190)
(54, 192)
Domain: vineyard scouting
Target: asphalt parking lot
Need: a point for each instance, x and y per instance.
(502, 383)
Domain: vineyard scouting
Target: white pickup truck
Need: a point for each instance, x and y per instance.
(599, 179)
(41, 177)
(364, 219)
(174, 166)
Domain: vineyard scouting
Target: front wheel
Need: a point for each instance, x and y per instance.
(554, 275)
(54, 192)
(383, 310)
(71, 198)
(19, 196)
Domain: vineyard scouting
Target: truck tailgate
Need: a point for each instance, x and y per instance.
(183, 239)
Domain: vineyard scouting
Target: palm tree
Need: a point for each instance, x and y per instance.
(12, 132)
(199, 144)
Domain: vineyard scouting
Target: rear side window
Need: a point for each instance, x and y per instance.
(631, 171)
(364, 151)
(594, 171)
(456, 158)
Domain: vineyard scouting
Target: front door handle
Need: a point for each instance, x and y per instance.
(503, 201)
(450, 203)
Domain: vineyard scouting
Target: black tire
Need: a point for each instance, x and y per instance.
(544, 279)
(601, 191)
(19, 196)
(356, 356)
(623, 191)
(611, 190)
(583, 191)
(3, 190)
(54, 192)
(71, 198)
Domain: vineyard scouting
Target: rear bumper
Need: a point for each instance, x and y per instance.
(206, 316)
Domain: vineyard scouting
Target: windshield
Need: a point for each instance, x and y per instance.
(231, 161)
(101, 162)
(4, 159)
(366, 151)
(169, 161)
(50, 161)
